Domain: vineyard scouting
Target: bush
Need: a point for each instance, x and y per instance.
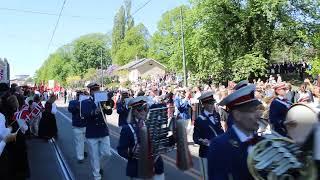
(315, 67)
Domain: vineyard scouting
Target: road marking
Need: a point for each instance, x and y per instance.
(62, 162)
(192, 172)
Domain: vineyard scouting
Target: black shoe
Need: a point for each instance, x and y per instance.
(85, 154)
(101, 172)
(80, 161)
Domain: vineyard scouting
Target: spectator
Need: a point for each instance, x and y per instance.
(290, 95)
(303, 95)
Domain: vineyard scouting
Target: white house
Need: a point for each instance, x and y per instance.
(141, 68)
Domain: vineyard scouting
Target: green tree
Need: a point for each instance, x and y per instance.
(118, 31)
(249, 65)
(74, 81)
(165, 44)
(129, 18)
(231, 29)
(135, 44)
(90, 75)
(315, 67)
(75, 59)
(122, 23)
(315, 62)
(89, 50)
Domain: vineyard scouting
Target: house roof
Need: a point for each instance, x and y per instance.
(135, 64)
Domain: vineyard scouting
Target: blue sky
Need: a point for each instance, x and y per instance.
(24, 37)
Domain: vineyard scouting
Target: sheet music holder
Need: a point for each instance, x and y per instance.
(82, 98)
(100, 96)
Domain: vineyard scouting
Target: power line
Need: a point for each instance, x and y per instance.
(47, 13)
(137, 10)
(55, 27)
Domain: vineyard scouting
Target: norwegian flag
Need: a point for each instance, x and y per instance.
(36, 109)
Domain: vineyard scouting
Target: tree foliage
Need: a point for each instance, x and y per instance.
(226, 30)
(55, 67)
(315, 62)
(248, 65)
(75, 59)
(90, 50)
(224, 40)
(165, 44)
(135, 44)
(118, 32)
(122, 24)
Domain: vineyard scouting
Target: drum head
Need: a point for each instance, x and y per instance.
(300, 121)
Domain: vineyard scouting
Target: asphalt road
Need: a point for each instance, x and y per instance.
(47, 167)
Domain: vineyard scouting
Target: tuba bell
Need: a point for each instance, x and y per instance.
(277, 157)
(184, 159)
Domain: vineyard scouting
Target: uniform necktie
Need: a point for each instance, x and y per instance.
(253, 140)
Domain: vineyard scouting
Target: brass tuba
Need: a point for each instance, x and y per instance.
(277, 157)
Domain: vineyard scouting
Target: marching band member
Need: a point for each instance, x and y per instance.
(278, 109)
(241, 84)
(227, 156)
(206, 126)
(227, 122)
(97, 133)
(129, 139)
(122, 109)
(78, 127)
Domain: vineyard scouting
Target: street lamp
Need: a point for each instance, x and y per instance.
(183, 52)
(101, 70)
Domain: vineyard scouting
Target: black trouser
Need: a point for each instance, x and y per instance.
(317, 162)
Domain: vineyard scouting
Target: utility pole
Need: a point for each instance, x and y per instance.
(183, 52)
(101, 70)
